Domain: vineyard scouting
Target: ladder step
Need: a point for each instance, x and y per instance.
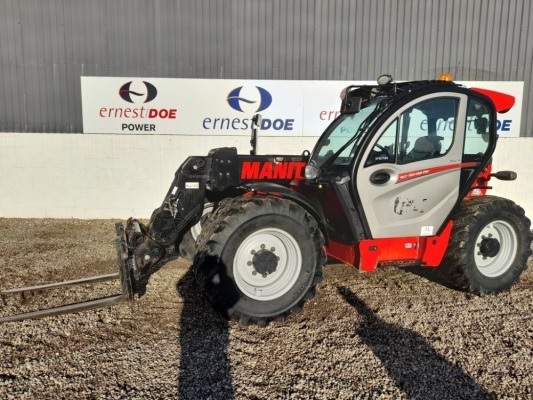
(92, 279)
(66, 309)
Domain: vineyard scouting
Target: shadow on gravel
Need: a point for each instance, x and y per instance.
(415, 367)
(431, 274)
(205, 371)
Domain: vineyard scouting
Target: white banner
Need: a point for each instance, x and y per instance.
(207, 107)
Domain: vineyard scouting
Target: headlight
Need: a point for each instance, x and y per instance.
(311, 172)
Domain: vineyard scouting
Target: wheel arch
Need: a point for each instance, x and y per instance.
(274, 189)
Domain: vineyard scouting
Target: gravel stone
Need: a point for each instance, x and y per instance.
(391, 334)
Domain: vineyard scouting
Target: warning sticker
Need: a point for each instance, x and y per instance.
(426, 231)
(192, 185)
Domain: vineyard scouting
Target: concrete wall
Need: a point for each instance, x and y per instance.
(118, 176)
(103, 176)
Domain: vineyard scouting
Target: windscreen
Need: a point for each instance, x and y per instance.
(339, 144)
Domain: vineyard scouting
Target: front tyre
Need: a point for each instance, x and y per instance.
(259, 258)
(489, 246)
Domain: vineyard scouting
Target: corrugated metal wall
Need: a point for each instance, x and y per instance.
(46, 45)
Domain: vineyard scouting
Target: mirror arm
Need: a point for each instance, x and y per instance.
(256, 124)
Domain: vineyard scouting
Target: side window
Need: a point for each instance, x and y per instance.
(427, 130)
(384, 150)
(477, 130)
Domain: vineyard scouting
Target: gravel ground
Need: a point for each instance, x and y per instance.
(392, 334)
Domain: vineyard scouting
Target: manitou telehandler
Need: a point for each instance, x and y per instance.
(399, 178)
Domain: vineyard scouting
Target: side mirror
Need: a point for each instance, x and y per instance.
(256, 124)
(351, 105)
(504, 175)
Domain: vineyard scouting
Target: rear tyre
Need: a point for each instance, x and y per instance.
(489, 245)
(259, 258)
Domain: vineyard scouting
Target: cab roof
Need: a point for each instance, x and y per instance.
(396, 90)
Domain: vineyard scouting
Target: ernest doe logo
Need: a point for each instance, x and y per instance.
(261, 96)
(125, 92)
(138, 117)
(247, 100)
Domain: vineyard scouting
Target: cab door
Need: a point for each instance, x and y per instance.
(408, 180)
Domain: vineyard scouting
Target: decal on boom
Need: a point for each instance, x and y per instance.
(272, 170)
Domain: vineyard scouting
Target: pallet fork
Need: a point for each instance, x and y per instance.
(126, 275)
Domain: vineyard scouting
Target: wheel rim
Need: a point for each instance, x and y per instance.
(196, 229)
(496, 248)
(267, 264)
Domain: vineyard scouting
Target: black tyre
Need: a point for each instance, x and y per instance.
(259, 258)
(489, 245)
(187, 246)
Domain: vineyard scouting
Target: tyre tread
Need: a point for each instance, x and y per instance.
(216, 232)
(455, 265)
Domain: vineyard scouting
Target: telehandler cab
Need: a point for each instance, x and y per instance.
(400, 177)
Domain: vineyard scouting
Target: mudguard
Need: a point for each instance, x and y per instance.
(275, 189)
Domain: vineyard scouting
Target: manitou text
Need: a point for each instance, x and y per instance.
(272, 170)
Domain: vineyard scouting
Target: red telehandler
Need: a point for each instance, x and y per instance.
(400, 177)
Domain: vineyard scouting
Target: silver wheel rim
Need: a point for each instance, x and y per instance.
(265, 287)
(196, 229)
(504, 233)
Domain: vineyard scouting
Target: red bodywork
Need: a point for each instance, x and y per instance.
(502, 102)
(479, 187)
(427, 251)
(272, 170)
(281, 169)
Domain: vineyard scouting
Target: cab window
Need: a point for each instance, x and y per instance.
(422, 132)
(427, 130)
(384, 150)
(345, 133)
(478, 123)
